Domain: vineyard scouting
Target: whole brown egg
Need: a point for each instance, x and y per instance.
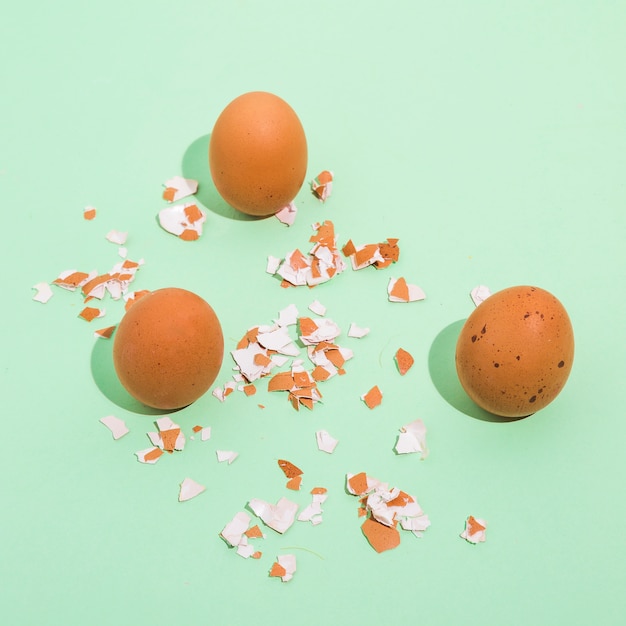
(168, 348)
(258, 153)
(515, 351)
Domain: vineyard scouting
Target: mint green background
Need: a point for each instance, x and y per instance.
(490, 137)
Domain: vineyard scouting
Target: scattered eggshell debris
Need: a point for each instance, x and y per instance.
(289, 469)
(249, 390)
(44, 292)
(387, 507)
(380, 255)
(104, 333)
(322, 185)
(237, 533)
(273, 263)
(221, 393)
(117, 236)
(294, 483)
(325, 442)
(480, 294)
(373, 397)
(284, 567)
(357, 332)
(287, 215)
(475, 530)
(177, 188)
(288, 316)
(412, 439)
(189, 488)
(380, 536)
(71, 279)
(279, 516)
(322, 263)
(399, 290)
(116, 425)
(183, 220)
(226, 455)
(313, 512)
(169, 437)
(149, 455)
(90, 313)
(254, 532)
(89, 213)
(317, 307)
(404, 361)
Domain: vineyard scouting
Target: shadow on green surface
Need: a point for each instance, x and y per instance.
(442, 368)
(105, 377)
(196, 166)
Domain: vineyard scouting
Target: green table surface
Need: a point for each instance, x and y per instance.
(489, 137)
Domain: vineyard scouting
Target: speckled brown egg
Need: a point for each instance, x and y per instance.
(515, 351)
(168, 348)
(258, 153)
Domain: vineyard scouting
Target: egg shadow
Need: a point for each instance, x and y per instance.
(105, 377)
(195, 165)
(442, 369)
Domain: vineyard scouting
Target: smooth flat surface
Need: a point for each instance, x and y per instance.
(489, 137)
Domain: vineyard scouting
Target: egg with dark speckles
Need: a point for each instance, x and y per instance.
(168, 348)
(515, 351)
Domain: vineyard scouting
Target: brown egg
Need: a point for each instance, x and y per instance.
(258, 153)
(168, 348)
(515, 351)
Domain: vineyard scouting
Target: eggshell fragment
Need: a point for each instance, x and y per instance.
(515, 351)
(168, 348)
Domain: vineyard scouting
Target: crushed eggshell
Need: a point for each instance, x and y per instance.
(322, 185)
(183, 220)
(412, 438)
(287, 215)
(380, 536)
(480, 294)
(475, 530)
(237, 533)
(357, 332)
(373, 397)
(279, 516)
(388, 507)
(221, 393)
(399, 290)
(116, 425)
(317, 307)
(404, 361)
(90, 313)
(320, 265)
(313, 512)
(117, 236)
(169, 437)
(380, 255)
(289, 469)
(325, 442)
(189, 488)
(104, 333)
(71, 279)
(44, 292)
(177, 188)
(284, 567)
(149, 455)
(226, 456)
(89, 213)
